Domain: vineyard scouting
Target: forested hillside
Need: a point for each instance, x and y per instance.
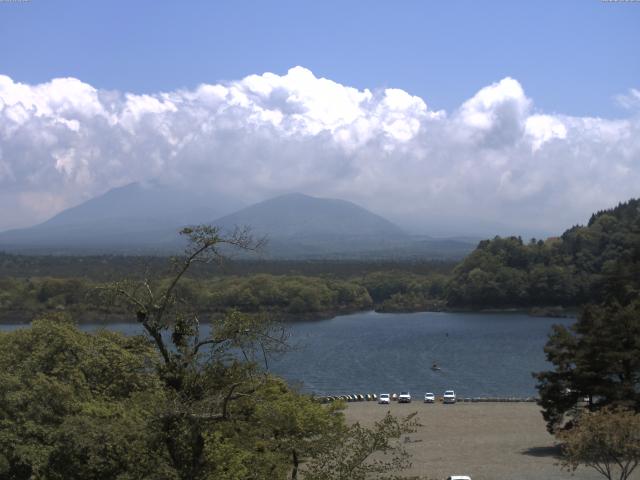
(579, 267)
(574, 269)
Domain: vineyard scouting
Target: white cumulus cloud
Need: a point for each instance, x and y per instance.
(495, 160)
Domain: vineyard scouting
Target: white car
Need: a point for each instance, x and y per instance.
(459, 477)
(429, 398)
(384, 398)
(404, 397)
(449, 397)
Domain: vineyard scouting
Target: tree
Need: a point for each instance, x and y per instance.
(272, 434)
(74, 405)
(201, 376)
(223, 417)
(598, 357)
(607, 441)
(170, 405)
(351, 455)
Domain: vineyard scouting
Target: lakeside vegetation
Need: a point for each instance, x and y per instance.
(576, 268)
(286, 295)
(304, 289)
(542, 276)
(172, 404)
(177, 406)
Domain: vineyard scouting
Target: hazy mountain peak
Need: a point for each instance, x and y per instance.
(145, 218)
(300, 215)
(135, 215)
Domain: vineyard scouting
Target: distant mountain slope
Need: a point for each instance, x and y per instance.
(300, 226)
(139, 219)
(157, 204)
(297, 216)
(134, 216)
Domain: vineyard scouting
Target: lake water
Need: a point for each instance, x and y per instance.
(480, 354)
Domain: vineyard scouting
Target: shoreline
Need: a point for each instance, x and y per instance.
(12, 317)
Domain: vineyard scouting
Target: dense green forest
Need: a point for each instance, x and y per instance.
(568, 271)
(284, 295)
(115, 267)
(571, 270)
(596, 360)
(310, 289)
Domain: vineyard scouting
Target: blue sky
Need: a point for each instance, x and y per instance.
(448, 117)
(571, 56)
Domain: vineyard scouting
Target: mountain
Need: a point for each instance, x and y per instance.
(131, 218)
(301, 226)
(297, 216)
(145, 219)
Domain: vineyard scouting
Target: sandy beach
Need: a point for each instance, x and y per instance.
(487, 441)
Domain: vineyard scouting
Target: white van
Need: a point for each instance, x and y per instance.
(449, 397)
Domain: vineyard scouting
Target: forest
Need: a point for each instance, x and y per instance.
(285, 295)
(576, 268)
(566, 271)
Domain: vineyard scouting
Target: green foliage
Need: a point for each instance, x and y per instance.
(569, 271)
(598, 357)
(607, 441)
(287, 294)
(399, 291)
(76, 405)
(363, 453)
(72, 404)
(102, 268)
(273, 432)
(220, 416)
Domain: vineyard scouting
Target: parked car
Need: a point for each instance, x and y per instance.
(384, 398)
(404, 397)
(429, 397)
(459, 477)
(449, 397)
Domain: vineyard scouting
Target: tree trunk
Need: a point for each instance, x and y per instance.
(294, 472)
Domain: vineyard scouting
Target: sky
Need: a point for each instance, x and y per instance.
(451, 117)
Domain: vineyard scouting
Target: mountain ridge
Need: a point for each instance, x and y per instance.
(299, 215)
(140, 219)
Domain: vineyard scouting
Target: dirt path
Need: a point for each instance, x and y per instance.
(488, 441)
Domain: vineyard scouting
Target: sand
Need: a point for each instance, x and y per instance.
(487, 441)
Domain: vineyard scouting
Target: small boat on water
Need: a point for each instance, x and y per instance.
(435, 367)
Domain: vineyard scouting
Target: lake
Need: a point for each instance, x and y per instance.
(480, 354)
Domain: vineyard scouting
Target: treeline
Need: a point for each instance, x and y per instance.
(576, 268)
(286, 295)
(116, 267)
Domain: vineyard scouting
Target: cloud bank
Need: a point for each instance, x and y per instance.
(495, 160)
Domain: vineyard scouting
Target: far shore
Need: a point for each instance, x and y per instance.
(487, 441)
(93, 317)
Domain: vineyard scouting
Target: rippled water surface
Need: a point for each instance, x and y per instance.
(480, 354)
